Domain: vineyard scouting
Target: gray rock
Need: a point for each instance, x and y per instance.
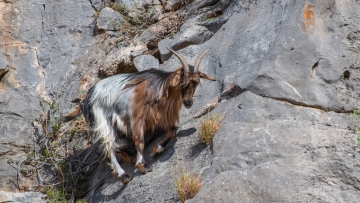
(287, 134)
(135, 4)
(145, 62)
(274, 58)
(119, 60)
(26, 197)
(3, 62)
(190, 33)
(138, 52)
(164, 52)
(167, 24)
(173, 5)
(157, 2)
(109, 19)
(37, 50)
(155, 11)
(272, 159)
(134, 13)
(198, 29)
(97, 4)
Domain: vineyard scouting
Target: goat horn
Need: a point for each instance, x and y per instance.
(182, 59)
(198, 60)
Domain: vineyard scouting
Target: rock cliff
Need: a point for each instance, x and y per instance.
(289, 133)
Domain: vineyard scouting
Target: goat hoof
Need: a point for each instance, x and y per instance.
(140, 167)
(125, 178)
(148, 168)
(144, 168)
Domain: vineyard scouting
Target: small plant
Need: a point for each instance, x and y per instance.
(134, 21)
(210, 19)
(208, 127)
(116, 24)
(357, 113)
(119, 8)
(73, 131)
(55, 195)
(95, 15)
(255, 120)
(187, 186)
(10, 161)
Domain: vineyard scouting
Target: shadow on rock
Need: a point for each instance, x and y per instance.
(197, 149)
(185, 133)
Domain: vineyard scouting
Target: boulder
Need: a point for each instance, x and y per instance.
(145, 62)
(135, 4)
(109, 19)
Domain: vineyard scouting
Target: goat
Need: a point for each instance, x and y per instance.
(128, 105)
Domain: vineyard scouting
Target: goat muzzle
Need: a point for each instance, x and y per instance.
(188, 103)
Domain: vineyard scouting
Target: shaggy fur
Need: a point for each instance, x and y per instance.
(128, 105)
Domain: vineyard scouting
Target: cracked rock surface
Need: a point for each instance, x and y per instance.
(288, 133)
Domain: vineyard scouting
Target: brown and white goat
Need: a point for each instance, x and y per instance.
(129, 105)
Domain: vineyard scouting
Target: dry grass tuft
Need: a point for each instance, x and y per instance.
(208, 127)
(187, 186)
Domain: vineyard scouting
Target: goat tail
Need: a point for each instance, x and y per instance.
(104, 131)
(72, 115)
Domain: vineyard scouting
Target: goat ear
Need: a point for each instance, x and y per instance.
(175, 81)
(203, 75)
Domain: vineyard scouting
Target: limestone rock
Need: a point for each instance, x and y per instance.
(109, 19)
(26, 197)
(138, 4)
(97, 4)
(37, 52)
(145, 62)
(155, 11)
(288, 134)
(120, 60)
(173, 5)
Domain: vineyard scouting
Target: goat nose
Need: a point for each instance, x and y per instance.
(188, 104)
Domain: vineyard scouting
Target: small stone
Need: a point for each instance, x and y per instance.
(109, 20)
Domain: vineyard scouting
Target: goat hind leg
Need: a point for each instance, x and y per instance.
(122, 176)
(126, 156)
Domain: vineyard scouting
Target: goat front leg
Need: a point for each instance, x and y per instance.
(162, 144)
(140, 165)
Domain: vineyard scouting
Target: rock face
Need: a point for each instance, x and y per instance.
(285, 153)
(288, 133)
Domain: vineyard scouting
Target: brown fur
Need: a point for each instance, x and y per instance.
(149, 115)
(163, 113)
(126, 157)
